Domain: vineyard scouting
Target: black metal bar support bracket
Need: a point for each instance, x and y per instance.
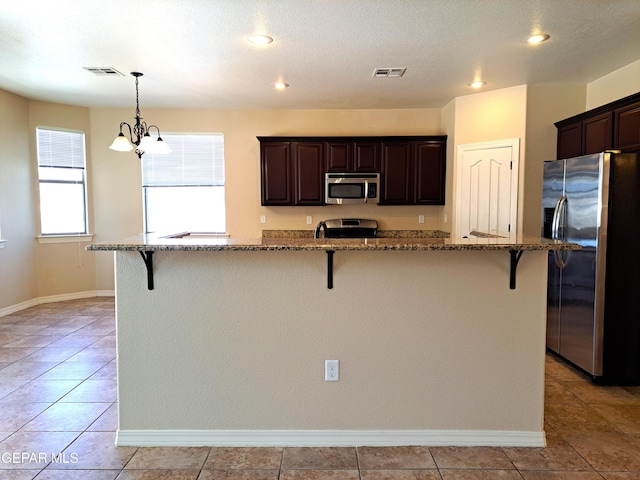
(148, 262)
(330, 268)
(515, 258)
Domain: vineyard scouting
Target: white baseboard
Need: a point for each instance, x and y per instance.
(328, 438)
(55, 298)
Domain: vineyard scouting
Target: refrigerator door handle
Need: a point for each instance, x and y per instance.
(559, 215)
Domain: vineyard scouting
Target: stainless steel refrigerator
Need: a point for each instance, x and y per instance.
(593, 302)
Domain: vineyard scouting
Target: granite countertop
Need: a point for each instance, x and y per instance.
(424, 241)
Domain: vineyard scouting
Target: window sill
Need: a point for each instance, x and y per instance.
(65, 238)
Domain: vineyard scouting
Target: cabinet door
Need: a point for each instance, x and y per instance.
(570, 140)
(367, 157)
(308, 167)
(627, 128)
(396, 185)
(339, 156)
(429, 172)
(276, 173)
(597, 134)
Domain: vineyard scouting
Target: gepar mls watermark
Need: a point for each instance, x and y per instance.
(25, 458)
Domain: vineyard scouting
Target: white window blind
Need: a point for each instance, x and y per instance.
(58, 148)
(195, 160)
(61, 175)
(184, 190)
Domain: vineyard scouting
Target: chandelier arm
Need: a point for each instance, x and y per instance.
(153, 126)
(129, 127)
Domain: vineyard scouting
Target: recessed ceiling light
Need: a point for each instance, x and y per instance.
(478, 84)
(260, 39)
(280, 85)
(536, 38)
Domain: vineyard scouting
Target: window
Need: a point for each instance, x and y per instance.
(183, 190)
(61, 173)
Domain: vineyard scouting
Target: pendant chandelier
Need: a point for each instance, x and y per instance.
(139, 134)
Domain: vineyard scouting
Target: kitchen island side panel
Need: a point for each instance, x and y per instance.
(236, 341)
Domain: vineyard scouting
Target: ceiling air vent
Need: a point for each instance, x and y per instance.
(389, 72)
(104, 71)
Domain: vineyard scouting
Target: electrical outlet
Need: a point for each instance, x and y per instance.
(309, 219)
(263, 219)
(331, 370)
(420, 218)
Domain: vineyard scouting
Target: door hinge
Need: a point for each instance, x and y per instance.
(510, 165)
(509, 228)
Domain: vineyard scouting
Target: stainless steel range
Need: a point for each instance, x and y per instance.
(347, 228)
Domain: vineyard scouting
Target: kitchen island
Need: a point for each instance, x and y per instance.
(224, 341)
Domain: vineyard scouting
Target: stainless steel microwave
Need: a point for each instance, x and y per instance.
(345, 188)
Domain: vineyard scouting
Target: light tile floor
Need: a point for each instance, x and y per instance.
(58, 415)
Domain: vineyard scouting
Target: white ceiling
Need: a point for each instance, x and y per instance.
(194, 53)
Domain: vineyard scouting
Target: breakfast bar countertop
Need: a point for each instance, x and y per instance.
(427, 242)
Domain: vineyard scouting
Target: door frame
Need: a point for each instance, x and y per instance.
(514, 143)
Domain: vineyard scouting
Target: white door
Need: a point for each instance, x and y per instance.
(487, 188)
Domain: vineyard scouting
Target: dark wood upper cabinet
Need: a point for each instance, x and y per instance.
(292, 173)
(276, 173)
(339, 156)
(597, 134)
(627, 128)
(429, 172)
(366, 156)
(395, 180)
(615, 125)
(308, 168)
(412, 168)
(570, 140)
(413, 172)
(352, 156)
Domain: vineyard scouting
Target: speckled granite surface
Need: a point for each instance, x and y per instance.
(381, 234)
(204, 243)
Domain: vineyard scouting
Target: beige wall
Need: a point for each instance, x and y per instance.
(62, 267)
(17, 226)
(618, 84)
(546, 104)
(448, 122)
